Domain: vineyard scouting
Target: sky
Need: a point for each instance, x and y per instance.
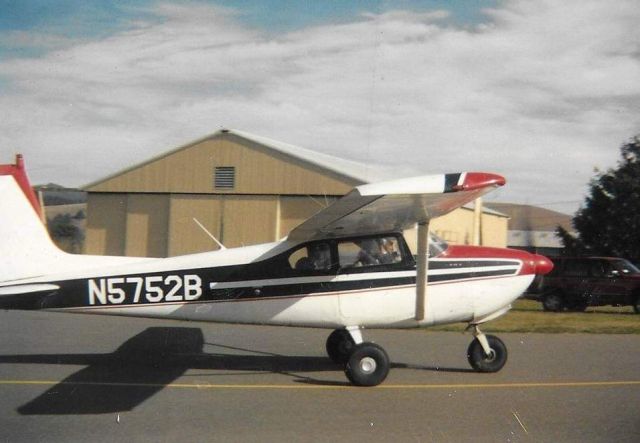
(542, 92)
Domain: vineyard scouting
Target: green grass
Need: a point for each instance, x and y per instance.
(528, 316)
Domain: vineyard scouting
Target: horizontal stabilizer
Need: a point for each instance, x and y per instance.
(27, 289)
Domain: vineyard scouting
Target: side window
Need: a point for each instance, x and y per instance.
(348, 254)
(300, 261)
(597, 268)
(576, 268)
(312, 257)
(369, 252)
(608, 268)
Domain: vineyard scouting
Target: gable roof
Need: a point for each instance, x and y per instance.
(533, 218)
(349, 169)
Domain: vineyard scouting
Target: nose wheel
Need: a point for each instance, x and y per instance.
(486, 353)
(365, 363)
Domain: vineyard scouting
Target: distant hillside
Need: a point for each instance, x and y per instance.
(54, 194)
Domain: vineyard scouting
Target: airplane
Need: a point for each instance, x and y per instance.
(347, 268)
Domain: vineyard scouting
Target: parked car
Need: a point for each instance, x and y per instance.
(576, 283)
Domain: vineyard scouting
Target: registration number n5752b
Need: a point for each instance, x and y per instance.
(144, 289)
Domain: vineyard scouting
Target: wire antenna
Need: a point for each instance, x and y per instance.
(209, 233)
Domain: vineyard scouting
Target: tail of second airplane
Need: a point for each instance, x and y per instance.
(26, 250)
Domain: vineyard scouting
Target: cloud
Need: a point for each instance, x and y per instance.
(542, 92)
(23, 40)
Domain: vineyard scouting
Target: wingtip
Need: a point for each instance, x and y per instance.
(478, 180)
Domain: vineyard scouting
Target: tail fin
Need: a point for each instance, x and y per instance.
(19, 174)
(25, 246)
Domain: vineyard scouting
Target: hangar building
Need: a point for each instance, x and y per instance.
(533, 229)
(243, 189)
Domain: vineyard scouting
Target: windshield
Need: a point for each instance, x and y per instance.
(436, 245)
(624, 267)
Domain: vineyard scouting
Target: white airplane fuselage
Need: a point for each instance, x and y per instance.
(253, 285)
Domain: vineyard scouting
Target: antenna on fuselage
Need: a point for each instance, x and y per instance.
(208, 233)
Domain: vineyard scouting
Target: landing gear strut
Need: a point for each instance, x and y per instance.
(486, 353)
(366, 364)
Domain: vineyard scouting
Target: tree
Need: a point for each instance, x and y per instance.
(65, 233)
(608, 223)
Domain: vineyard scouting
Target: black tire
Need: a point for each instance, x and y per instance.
(481, 362)
(636, 304)
(368, 365)
(339, 346)
(553, 302)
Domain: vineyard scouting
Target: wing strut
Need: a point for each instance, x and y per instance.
(422, 268)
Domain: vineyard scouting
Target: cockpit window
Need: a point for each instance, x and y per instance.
(369, 252)
(312, 257)
(436, 245)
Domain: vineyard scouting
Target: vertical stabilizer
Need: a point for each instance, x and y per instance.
(19, 173)
(26, 250)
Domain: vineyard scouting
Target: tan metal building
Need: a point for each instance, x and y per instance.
(457, 227)
(243, 189)
(533, 229)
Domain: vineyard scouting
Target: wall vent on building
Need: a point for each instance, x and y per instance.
(225, 177)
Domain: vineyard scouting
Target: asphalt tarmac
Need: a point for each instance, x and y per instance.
(67, 377)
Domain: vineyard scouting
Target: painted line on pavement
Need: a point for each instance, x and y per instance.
(568, 384)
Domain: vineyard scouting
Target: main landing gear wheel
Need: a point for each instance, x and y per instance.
(491, 362)
(339, 346)
(368, 365)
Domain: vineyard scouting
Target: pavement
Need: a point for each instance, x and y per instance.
(66, 377)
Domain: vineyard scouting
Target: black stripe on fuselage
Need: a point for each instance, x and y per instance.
(75, 293)
(285, 289)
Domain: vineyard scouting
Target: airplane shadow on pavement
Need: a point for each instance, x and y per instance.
(147, 363)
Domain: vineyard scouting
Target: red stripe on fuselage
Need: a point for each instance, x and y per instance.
(531, 263)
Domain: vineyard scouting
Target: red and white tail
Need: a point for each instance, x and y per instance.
(26, 250)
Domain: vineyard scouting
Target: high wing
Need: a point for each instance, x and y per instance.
(396, 205)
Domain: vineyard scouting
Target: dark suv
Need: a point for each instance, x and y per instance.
(576, 283)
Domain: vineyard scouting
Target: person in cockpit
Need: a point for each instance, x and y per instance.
(369, 253)
(389, 252)
(321, 256)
